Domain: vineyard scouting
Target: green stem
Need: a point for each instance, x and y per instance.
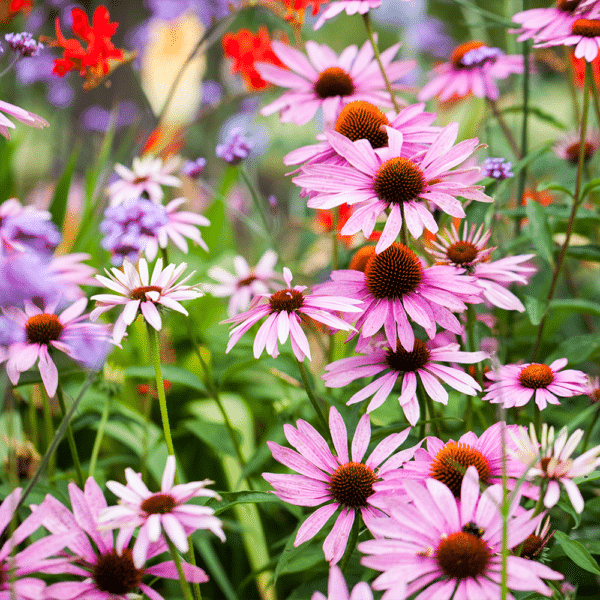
(388, 87)
(185, 586)
(147, 409)
(539, 505)
(595, 97)
(49, 432)
(537, 419)
(404, 228)
(510, 138)
(351, 541)
(431, 412)
(524, 127)
(192, 561)
(313, 398)
(588, 431)
(471, 320)
(423, 412)
(335, 241)
(505, 511)
(100, 435)
(256, 200)
(70, 438)
(33, 429)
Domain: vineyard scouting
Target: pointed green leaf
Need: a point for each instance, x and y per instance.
(539, 231)
(535, 309)
(58, 206)
(577, 553)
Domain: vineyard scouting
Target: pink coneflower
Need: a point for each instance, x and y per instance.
(352, 7)
(70, 273)
(473, 68)
(108, 573)
(395, 286)
(542, 22)
(338, 590)
(548, 462)
(328, 81)
(567, 147)
(582, 33)
(146, 177)
(86, 343)
(376, 180)
(422, 361)
(452, 548)
(285, 310)
(333, 479)
(469, 251)
(22, 115)
(247, 282)
(514, 385)
(159, 514)
(593, 389)
(138, 292)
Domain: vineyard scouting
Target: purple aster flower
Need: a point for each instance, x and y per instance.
(193, 168)
(497, 168)
(23, 43)
(235, 148)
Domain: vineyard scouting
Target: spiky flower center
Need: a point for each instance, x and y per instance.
(460, 51)
(572, 152)
(462, 555)
(158, 504)
(402, 361)
(246, 281)
(532, 546)
(352, 483)
(361, 257)
(334, 82)
(595, 396)
(398, 180)
(393, 273)
(139, 293)
(452, 461)
(586, 27)
(363, 121)
(536, 376)
(462, 253)
(43, 329)
(116, 574)
(288, 300)
(567, 6)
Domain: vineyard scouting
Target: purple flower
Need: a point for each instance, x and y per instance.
(497, 168)
(96, 118)
(429, 36)
(193, 168)
(479, 56)
(58, 92)
(235, 148)
(23, 43)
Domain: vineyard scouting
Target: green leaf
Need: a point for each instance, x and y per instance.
(214, 566)
(542, 115)
(589, 187)
(565, 505)
(244, 497)
(539, 231)
(589, 252)
(58, 206)
(576, 305)
(556, 187)
(577, 348)
(535, 309)
(585, 478)
(172, 373)
(577, 553)
(212, 434)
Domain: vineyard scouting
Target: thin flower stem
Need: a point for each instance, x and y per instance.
(335, 241)
(256, 200)
(388, 87)
(588, 431)
(313, 398)
(404, 228)
(471, 320)
(49, 433)
(431, 412)
(70, 438)
(352, 541)
(572, 89)
(539, 505)
(10, 66)
(100, 435)
(595, 97)
(185, 586)
(505, 511)
(537, 419)
(147, 409)
(524, 141)
(576, 200)
(510, 138)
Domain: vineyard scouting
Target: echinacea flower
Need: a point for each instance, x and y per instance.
(352, 7)
(515, 385)
(377, 180)
(593, 389)
(582, 33)
(338, 590)
(164, 513)
(108, 573)
(540, 23)
(326, 80)
(338, 481)
(567, 147)
(22, 115)
(548, 461)
(285, 310)
(422, 361)
(473, 68)
(450, 548)
(86, 343)
(137, 291)
(247, 282)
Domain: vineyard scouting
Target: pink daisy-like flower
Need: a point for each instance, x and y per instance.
(70, 273)
(422, 361)
(86, 343)
(352, 7)
(451, 548)
(22, 115)
(146, 177)
(395, 286)
(582, 33)
(284, 311)
(469, 251)
(158, 514)
(325, 80)
(376, 180)
(548, 461)
(514, 385)
(334, 480)
(540, 23)
(567, 147)
(473, 68)
(247, 282)
(338, 590)
(593, 389)
(138, 292)
(109, 573)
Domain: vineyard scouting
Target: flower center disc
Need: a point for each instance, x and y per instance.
(361, 257)
(461, 50)
(398, 180)
(463, 555)
(288, 300)
(572, 152)
(536, 376)
(247, 281)
(42, 329)
(334, 82)
(393, 273)
(158, 504)
(452, 462)
(531, 546)
(567, 6)
(586, 27)
(363, 121)
(462, 253)
(141, 179)
(352, 483)
(140, 292)
(403, 361)
(116, 574)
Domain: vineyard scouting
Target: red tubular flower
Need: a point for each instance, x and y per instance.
(579, 69)
(246, 49)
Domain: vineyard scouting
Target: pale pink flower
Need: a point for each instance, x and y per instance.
(422, 361)
(377, 180)
(352, 7)
(338, 590)
(450, 548)
(247, 282)
(22, 115)
(70, 273)
(337, 481)
(593, 389)
(325, 80)
(548, 461)
(285, 310)
(580, 32)
(541, 23)
(164, 513)
(136, 291)
(515, 385)
(567, 147)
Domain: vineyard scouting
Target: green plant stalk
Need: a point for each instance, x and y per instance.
(510, 138)
(589, 429)
(431, 412)
(471, 320)
(185, 586)
(70, 437)
(100, 435)
(147, 409)
(505, 511)
(595, 97)
(353, 539)
(404, 228)
(335, 260)
(49, 431)
(524, 128)
(192, 561)
(313, 399)
(256, 200)
(33, 428)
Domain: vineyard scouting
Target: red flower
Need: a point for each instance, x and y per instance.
(579, 69)
(296, 8)
(246, 49)
(9, 8)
